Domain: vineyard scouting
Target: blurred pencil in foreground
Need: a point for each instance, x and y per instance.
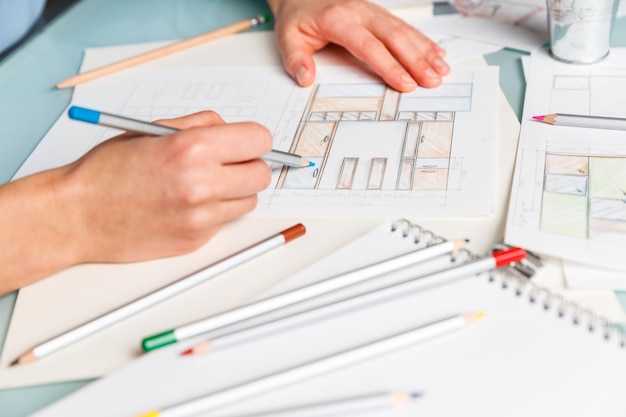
(318, 367)
(352, 405)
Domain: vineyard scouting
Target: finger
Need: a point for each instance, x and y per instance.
(297, 52)
(361, 43)
(240, 180)
(230, 210)
(200, 119)
(420, 56)
(234, 142)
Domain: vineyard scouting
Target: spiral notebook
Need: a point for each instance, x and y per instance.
(533, 354)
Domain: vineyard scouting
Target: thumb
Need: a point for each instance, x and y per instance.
(297, 57)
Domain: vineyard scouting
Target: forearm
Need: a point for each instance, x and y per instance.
(37, 237)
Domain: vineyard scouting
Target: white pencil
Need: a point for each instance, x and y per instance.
(159, 295)
(596, 122)
(146, 128)
(273, 325)
(300, 294)
(394, 400)
(317, 367)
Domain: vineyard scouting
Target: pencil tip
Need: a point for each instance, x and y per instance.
(187, 352)
(15, 362)
(311, 163)
(540, 118)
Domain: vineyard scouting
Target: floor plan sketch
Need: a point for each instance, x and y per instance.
(569, 191)
(376, 151)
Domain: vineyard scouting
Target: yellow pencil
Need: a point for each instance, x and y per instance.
(163, 51)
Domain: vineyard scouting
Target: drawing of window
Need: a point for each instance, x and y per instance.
(425, 115)
(410, 143)
(377, 173)
(390, 104)
(405, 179)
(346, 175)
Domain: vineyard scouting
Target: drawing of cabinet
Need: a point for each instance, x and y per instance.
(314, 139)
(435, 140)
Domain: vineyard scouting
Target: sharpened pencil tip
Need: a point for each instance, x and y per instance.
(311, 163)
(15, 362)
(540, 118)
(187, 352)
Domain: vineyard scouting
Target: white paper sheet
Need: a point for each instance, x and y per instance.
(489, 30)
(377, 152)
(585, 277)
(567, 194)
(518, 350)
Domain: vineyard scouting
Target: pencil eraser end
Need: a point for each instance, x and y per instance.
(83, 114)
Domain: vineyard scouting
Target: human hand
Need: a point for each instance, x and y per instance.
(399, 53)
(135, 198)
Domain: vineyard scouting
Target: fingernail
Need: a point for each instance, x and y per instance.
(430, 73)
(300, 75)
(408, 82)
(440, 63)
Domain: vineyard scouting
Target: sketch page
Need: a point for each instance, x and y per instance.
(585, 277)
(567, 198)
(489, 28)
(377, 152)
(38, 316)
(520, 360)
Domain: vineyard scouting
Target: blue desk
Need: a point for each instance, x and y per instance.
(30, 105)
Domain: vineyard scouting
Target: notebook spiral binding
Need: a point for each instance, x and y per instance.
(519, 280)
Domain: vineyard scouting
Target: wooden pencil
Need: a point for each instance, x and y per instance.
(163, 51)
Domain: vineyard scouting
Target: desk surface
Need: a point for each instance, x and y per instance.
(28, 75)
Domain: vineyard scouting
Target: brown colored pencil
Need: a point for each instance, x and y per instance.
(163, 51)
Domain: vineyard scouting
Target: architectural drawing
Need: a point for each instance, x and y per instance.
(376, 151)
(394, 141)
(569, 192)
(584, 196)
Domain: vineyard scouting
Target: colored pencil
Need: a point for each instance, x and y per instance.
(343, 406)
(279, 301)
(146, 128)
(574, 120)
(159, 295)
(163, 51)
(383, 294)
(317, 367)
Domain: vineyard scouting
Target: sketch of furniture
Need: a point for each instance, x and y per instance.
(370, 137)
(584, 196)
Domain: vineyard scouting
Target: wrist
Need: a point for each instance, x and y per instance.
(39, 236)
